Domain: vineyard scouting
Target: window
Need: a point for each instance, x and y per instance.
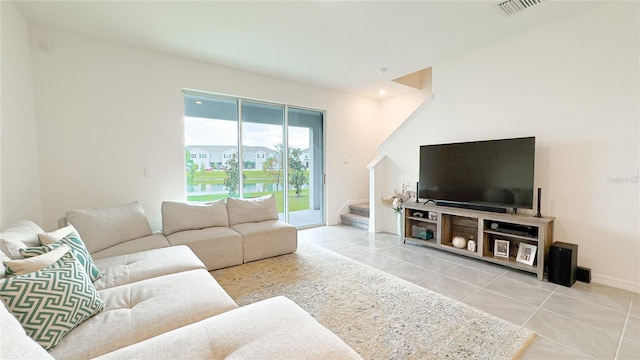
(249, 140)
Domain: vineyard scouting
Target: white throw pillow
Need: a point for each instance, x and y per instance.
(3, 258)
(252, 210)
(179, 216)
(56, 235)
(21, 235)
(25, 266)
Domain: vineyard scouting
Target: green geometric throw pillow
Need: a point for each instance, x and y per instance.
(77, 247)
(50, 302)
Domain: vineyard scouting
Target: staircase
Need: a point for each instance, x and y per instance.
(358, 216)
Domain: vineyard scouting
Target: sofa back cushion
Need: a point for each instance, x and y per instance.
(101, 228)
(179, 216)
(22, 234)
(252, 210)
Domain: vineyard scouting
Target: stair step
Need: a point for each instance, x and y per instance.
(360, 209)
(355, 220)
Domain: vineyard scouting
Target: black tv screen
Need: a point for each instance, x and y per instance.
(493, 173)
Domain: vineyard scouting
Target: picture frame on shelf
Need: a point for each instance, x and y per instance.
(526, 253)
(501, 248)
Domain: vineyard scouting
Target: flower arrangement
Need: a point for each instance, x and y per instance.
(397, 200)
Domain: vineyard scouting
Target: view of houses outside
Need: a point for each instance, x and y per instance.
(238, 147)
(212, 170)
(215, 157)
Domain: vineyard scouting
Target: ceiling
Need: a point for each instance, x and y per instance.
(333, 44)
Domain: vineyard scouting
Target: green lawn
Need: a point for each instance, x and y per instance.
(295, 203)
(251, 177)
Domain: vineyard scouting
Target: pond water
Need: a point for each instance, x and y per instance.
(216, 189)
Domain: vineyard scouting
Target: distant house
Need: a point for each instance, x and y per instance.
(215, 157)
(304, 157)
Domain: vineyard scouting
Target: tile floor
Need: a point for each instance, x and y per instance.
(586, 321)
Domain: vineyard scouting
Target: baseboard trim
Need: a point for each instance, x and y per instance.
(616, 283)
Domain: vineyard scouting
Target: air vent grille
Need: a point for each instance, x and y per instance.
(511, 7)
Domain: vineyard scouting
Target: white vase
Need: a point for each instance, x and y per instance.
(400, 226)
(459, 242)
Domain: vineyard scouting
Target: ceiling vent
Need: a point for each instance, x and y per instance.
(511, 7)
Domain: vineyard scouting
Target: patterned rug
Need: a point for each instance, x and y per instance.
(379, 315)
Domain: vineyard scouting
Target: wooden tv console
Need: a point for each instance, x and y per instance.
(484, 228)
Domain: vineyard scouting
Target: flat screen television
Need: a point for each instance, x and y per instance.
(490, 175)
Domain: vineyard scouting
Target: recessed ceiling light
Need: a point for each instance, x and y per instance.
(198, 102)
(382, 92)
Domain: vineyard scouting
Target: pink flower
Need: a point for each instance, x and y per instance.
(398, 199)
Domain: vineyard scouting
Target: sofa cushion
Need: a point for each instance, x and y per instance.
(14, 342)
(129, 268)
(252, 210)
(50, 302)
(217, 247)
(144, 309)
(275, 328)
(22, 234)
(266, 239)
(65, 236)
(35, 262)
(105, 227)
(178, 216)
(155, 241)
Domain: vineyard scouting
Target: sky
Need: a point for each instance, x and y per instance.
(199, 131)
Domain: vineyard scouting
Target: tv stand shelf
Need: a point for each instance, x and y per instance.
(442, 224)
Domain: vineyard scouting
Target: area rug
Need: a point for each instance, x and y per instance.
(379, 315)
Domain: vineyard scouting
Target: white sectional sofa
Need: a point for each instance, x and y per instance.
(221, 233)
(159, 301)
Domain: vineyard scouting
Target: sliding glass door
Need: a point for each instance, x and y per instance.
(262, 152)
(306, 166)
(236, 147)
(211, 148)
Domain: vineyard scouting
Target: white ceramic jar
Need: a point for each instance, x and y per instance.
(459, 242)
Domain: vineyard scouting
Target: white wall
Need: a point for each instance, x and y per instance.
(19, 174)
(574, 84)
(394, 111)
(107, 111)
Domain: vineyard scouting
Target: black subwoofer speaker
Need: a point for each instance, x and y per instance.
(563, 263)
(583, 274)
